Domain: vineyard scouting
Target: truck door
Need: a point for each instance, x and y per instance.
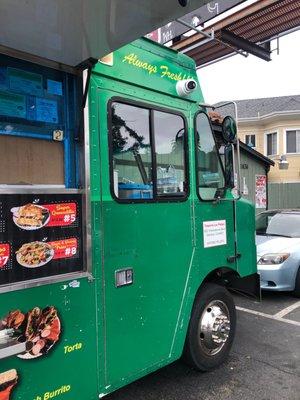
(146, 232)
(214, 207)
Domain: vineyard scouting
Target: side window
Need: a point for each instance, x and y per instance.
(148, 153)
(37, 125)
(210, 175)
(170, 155)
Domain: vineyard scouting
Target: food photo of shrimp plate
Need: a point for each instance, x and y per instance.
(34, 254)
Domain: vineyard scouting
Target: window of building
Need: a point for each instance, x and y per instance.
(210, 174)
(250, 140)
(293, 141)
(271, 144)
(148, 153)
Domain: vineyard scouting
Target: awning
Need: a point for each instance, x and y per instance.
(71, 31)
(259, 22)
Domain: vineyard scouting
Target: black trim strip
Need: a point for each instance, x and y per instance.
(151, 108)
(153, 154)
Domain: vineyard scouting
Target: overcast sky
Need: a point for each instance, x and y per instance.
(245, 78)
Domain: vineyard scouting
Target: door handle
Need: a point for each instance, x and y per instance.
(232, 259)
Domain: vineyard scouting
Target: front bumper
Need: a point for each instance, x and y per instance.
(276, 277)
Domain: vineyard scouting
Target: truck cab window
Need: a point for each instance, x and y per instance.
(210, 175)
(169, 149)
(148, 153)
(132, 160)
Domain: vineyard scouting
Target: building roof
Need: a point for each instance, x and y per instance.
(255, 154)
(257, 108)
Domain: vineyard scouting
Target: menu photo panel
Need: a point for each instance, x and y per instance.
(40, 236)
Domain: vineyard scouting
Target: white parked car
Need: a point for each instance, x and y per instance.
(278, 250)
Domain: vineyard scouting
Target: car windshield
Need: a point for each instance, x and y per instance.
(285, 224)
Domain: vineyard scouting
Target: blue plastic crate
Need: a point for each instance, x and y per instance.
(135, 191)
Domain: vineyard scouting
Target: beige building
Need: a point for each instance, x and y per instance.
(272, 127)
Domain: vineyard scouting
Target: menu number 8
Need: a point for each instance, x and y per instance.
(70, 251)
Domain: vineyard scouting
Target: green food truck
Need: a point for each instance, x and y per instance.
(119, 232)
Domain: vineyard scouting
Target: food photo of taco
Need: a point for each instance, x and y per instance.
(8, 381)
(30, 216)
(39, 329)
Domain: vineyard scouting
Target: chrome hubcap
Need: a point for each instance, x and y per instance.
(214, 327)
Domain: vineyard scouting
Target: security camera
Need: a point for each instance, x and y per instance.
(195, 21)
(183, 3)
(283, 163)
(186, 87)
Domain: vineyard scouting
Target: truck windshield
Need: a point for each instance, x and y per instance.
(286, 224)
(209, 168)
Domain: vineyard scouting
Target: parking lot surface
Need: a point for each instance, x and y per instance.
(264, 363)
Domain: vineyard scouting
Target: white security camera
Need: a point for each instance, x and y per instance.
(186, 87)
(283, 163)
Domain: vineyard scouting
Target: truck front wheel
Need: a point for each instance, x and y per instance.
(212, 328)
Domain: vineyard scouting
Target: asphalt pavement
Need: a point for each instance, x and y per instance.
(264, 363)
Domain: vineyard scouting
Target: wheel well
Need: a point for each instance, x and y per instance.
(222, 276)
(231, 279)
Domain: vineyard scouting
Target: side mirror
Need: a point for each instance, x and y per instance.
(229, 166)
(229, 130)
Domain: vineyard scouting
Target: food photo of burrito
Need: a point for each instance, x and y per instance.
(34, 254)
(8, 381)
(39, 329)
(30, 216)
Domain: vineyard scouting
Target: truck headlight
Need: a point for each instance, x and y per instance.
(275, 258)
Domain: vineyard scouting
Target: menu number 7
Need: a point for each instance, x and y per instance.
(3, 261)
(4, 254)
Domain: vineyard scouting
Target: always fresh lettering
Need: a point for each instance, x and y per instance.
(133, 59)
(163, 70)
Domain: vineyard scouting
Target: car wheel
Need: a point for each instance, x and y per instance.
(296, 291)
(212, 328)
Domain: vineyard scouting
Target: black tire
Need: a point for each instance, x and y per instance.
(198, 349)
(296, 291)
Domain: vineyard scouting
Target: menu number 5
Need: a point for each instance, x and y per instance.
(70, 218)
